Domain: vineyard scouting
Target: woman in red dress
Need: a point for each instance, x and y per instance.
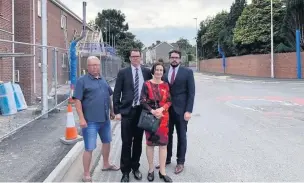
(157, 90)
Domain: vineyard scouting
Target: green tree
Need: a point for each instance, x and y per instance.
(226, 35)
(111, 20)
(202, 30)
(184, 44)
(211, 37)
(252, 30)
(127, 42)
(114, 21)
(293, 20)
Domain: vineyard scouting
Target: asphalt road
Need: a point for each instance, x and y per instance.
(241, 130)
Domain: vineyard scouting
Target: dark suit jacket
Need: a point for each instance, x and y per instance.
(124, 89)
(182, 90)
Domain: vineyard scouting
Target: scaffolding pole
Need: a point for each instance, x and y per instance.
(44, 59)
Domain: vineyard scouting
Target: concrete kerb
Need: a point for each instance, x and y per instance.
(62, 168)
(64, 165)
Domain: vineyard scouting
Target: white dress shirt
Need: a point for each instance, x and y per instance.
(141, 80)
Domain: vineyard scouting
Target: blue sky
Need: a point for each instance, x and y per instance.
(151, 20)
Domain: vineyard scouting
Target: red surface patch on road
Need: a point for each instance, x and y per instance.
(299, 101)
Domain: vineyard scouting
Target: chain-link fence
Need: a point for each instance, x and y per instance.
(24, 66)
(110, 65)
(27, 59)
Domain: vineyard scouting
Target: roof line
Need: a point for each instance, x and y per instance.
(69, 11)
(162, 43)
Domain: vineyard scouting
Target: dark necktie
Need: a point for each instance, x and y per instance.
(172, 76)
(136, 89)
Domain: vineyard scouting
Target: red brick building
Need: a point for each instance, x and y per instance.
(62, 24)
(6, 30)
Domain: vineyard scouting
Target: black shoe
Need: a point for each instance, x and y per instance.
(166, 178)
(137, 174)
(150, 176)
(167, 163)
(125, 178)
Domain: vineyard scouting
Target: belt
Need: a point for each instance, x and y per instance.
(135, 106)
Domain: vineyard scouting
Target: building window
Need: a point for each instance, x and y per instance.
(39, 8)
(63, 21)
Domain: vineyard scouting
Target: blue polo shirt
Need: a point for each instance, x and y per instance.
(94, 94)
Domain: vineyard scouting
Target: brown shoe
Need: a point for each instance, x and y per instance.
(179, 168)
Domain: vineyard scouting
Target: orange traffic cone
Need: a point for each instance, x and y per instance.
(71, 130)
(71, 134)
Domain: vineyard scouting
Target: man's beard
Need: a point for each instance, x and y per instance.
(174, 65)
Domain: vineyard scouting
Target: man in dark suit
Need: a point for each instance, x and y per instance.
(127, 108)
(182, 90)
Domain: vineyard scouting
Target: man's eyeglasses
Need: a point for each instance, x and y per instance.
(174, 57)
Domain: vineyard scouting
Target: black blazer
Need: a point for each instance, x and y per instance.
(182, 90)
(124, 89)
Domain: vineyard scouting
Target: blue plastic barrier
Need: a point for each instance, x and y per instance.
(19, 98)
(7, 99)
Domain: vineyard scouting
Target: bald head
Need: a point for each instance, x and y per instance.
(92, 59)
(93, 64)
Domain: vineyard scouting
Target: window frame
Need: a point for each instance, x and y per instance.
(39, 8)
(63, 21)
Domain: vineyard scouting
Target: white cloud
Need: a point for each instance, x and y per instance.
(154, 13)
(151, 20)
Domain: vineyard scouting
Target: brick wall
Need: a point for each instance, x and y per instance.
(27, 66)
(6, 25)
(56, 38)
(285, 65)
(23, 27)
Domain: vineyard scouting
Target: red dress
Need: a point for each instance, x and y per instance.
(162, 95)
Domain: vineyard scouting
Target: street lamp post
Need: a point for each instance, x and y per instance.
(271, 27)
(106, 31)
(197, 69)
(109, 33)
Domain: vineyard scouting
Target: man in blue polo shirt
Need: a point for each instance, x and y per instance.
(94, 108)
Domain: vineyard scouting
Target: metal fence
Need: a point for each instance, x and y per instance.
(110, 65)
(28, 64)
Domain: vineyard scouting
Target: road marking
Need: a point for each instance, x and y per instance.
(228, 78)
(293, 100)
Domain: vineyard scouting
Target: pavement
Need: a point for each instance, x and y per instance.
(241, 130)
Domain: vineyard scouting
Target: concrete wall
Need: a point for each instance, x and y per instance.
(285, 65)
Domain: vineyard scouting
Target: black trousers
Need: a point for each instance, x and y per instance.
(180, 124)
(131, 137)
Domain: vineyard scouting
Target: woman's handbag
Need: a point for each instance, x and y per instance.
(148, 121)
